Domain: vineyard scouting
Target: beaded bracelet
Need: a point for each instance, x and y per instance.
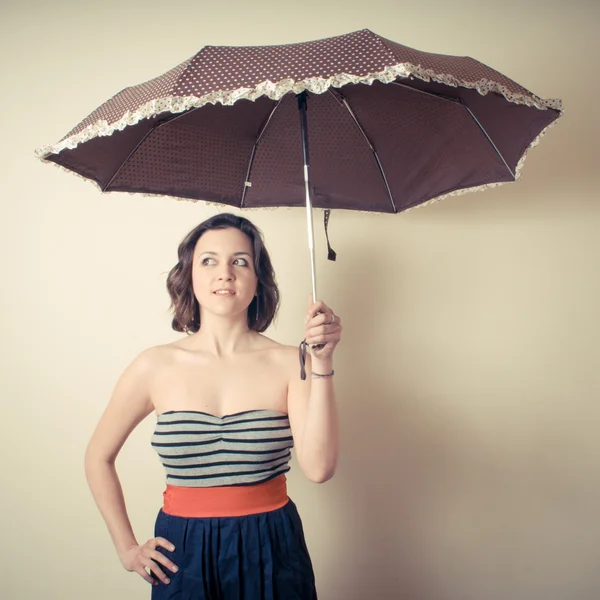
(322, 375)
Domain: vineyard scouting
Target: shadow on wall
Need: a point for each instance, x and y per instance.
(388, 453)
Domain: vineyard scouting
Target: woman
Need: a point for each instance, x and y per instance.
(230, 404)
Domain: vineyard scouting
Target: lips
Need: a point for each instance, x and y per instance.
(224, 292)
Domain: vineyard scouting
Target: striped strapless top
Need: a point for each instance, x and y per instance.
(198, 449)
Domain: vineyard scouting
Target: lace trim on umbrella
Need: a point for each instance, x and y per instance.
(316, 85)
(484, 86)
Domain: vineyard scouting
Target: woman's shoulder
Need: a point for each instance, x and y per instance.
(158, 355)
(282, 353)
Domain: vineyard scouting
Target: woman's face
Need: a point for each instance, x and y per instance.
(223, 276)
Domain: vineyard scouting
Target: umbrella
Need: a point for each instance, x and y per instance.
(389, 128)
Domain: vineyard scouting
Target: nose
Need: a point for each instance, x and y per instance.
(226, 273)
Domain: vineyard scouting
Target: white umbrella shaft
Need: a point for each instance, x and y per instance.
(311, 233)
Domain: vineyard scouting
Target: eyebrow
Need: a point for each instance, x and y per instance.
(234, 254)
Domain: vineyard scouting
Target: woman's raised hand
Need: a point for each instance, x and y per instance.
(322, 328)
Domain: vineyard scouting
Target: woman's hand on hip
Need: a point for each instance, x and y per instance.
(139, 558)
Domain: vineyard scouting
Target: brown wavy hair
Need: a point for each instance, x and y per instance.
(264, 305)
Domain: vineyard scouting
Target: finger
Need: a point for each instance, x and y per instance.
(312, 330)
(314, 309)
(323, 339)
(327, 318)
(166, 544)
(154, 568)
(145, 575)
(159, 557)
(323, 330)
(320, 318)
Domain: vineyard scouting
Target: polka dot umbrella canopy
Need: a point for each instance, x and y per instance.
(388, 128)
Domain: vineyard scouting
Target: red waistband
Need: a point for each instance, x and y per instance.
(230, 501)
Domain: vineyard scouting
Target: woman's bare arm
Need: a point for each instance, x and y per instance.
(130, 404)
(312, 404)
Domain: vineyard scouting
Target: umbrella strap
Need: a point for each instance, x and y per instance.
(302, 354)
(331, 254)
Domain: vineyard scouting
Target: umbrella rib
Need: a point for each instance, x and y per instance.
(417, 90)
(127, 159)
(247, 182)
(154, 128)
(461, 102)
(490, 141)
(343, 100)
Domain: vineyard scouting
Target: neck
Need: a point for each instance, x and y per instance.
(222, 335)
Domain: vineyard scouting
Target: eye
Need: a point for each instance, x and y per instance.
(208, 261)
(240, 262)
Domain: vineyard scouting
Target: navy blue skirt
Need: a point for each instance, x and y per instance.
(254, 557)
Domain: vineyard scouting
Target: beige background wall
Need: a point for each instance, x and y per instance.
(468, 377)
